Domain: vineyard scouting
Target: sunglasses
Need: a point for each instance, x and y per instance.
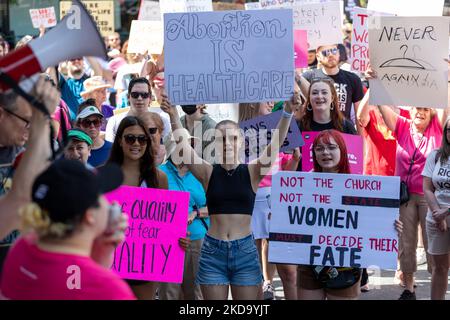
(144, 95)
(327, 52)
(131, 139)
(77, 59)
(87, 123)
(152, 130)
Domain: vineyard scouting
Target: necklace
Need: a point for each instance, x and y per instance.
(232, 171)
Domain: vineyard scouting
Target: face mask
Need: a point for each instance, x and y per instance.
(189, 109)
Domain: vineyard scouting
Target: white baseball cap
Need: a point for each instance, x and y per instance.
(89, 111)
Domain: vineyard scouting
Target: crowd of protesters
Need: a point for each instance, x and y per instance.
(116, 127)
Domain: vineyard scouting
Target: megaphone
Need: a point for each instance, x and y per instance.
(74, 36)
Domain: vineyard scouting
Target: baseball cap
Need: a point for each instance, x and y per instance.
(89, 111)
(80, 135)
(67, 188)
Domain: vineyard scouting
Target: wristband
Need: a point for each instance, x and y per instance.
(286, 114)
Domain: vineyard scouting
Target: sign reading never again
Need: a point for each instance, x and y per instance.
(229, 56)
(339, 220)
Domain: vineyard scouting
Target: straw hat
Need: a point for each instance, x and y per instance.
(92, 84)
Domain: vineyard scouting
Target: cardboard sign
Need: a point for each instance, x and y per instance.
(101, 11)
(43, 17)
(228, 56)
(411, 8)
(300, 48)
(149, 10)
(354, 144)
(146, 36)
(252, 6)
(407, 53)
(338, 220)
(258, 133)
(157, 219)
(323, 21)
(226, 6)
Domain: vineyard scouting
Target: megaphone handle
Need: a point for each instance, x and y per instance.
(4, 77)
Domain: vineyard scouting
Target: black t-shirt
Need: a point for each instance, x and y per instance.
(348, 86)
(348, 126)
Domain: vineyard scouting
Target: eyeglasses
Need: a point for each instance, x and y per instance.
(131, 139)
(144, 95)
(27, 122)
(152, 130)
(87, 123)
(329, 147)
(327, 52)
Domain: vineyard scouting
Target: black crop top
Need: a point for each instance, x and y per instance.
(230, 191)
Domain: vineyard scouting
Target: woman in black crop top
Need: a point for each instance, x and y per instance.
(229, 256)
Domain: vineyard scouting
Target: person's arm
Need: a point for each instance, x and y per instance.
(200, 168)
(260, 166)
(362, 115)
(302, 83)
(34, 161)
(95, 65)
(389, 117)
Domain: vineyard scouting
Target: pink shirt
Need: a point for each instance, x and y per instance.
(281, 161)
(406, 144)
(30, 273)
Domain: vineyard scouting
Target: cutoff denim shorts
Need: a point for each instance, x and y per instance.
(233, 262)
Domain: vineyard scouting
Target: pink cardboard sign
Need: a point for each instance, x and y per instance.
(354, 146)
(157, 219)
(300, 48)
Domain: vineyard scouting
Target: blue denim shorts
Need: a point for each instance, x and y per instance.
(233, 262)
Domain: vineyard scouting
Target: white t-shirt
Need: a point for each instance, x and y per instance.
(440, 176)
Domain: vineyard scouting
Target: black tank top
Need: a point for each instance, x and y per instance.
(230, 191)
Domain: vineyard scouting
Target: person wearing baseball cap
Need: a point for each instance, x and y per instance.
(79, 146)
(90, 121)
(69, 237)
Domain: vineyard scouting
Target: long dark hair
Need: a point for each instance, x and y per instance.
(444, 151)
(147, 168)
(337, 118)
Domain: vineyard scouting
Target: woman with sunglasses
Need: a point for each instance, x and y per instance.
(155, 125)
(89, 119)
(330, 156)
(132, 151)
(229, 256)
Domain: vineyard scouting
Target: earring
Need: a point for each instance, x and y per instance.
(309, 108)
(332, 106)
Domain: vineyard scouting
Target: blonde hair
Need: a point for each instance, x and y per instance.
(34, 218)
(248, 111)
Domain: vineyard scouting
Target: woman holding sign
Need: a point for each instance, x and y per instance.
(321, 282)
(229, 256)
(261, 211)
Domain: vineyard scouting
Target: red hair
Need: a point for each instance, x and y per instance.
(324, 137)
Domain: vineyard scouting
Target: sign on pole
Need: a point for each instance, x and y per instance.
(338, 220)
(44, 17)
(146, 36)
(228, 56)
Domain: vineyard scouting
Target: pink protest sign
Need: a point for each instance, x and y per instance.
(157, 219)
(354, 146)
(300, 48)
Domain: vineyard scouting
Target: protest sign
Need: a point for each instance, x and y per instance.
(300, 48)
(412, 8)
(219, 112)
(174, 6)
(228, 56)
(225, 6)
(157, 219)
(338, 220)
(146, 36)
(253, 6)
(101, 11)
(354, 144)
(323, 21)
(258, 133)
(407, 53)
(149, 10)
(44, 17)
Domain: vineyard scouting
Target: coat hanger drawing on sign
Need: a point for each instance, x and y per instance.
(409, 63)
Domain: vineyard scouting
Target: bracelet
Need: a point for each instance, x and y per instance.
(286, 114)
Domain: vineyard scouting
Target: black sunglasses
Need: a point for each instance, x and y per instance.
(144, 95)
(152, 130)
(27, 122)
(131, 139)
(87, 123)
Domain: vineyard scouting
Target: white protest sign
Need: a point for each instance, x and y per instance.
(323, 22)
(418, 8)
(146, 36)
(199, 5)
(338, 220)
(407, 53)
(149, 10)
(45, 17)
(252, 6)
(175, 6)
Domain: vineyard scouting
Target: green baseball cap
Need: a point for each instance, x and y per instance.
(80, 135)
